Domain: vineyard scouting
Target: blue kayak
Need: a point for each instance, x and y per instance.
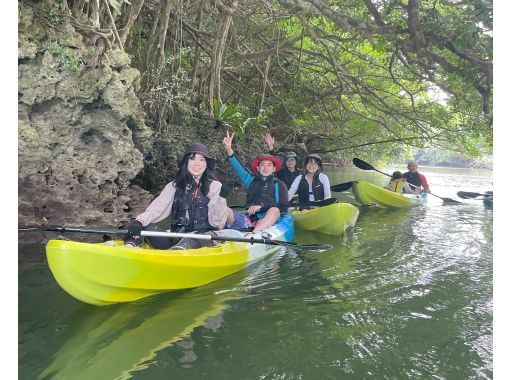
(488, 198)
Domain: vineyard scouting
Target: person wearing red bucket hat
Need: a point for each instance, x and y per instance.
(266, 195)
(290, 171)
(195, 201)
(266, 157)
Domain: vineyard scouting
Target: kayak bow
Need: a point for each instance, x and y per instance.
(101, 274)
(368, 194)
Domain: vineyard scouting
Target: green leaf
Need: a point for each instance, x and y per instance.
(115, 5)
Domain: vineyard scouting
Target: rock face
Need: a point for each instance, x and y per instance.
(86, 155)
(81, 134)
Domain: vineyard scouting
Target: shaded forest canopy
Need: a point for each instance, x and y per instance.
(373, 78)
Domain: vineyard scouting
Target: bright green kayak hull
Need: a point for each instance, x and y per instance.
(369, 194)
(333, 219)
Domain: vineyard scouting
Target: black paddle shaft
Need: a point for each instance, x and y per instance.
(342, 187)
(251, 240)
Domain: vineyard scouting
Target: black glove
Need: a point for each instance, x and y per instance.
(134, 228)
(225, 190)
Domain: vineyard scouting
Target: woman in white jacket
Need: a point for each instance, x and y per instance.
(312, 185)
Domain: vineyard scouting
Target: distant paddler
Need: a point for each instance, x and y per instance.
(413, 177)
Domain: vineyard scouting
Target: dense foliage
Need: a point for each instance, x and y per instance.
(346, 77)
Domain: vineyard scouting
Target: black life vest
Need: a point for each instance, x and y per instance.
(194, 211)
(303, 190)
(263, 191)
(413, 178)
(287, 176)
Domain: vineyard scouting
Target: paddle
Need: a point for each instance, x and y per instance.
(290, 244)
(324, 202)
(321, 203)
(467, 194)
(342, 187)
(366, 166)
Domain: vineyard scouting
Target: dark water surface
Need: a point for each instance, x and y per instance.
(405, 294)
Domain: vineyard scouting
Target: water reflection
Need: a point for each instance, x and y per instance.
(403, 294)
(113, 342)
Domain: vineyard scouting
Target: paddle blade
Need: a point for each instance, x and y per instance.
(450, 200)
(362, 164)
(342, 187)
(324, 202)
(467, 194)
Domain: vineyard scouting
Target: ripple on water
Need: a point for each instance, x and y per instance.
(404, 294)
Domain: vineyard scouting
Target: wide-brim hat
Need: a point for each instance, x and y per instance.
(315, 157)
(275, 160)
(199, 148)
(290, 154)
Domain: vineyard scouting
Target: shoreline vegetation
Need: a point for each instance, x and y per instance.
(110, 93)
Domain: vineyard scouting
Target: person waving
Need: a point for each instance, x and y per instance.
(266, 196)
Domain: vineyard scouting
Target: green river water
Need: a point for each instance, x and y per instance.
(405, 294)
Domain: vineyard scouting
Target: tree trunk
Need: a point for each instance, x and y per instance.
(160, 58)
(218, 50)
(129, 19)
(94, 13)
(263, 85)
(198, 50)
(151, 44)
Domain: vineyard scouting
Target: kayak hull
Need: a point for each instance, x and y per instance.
(369, 194)
(101, 274)
(333, 219)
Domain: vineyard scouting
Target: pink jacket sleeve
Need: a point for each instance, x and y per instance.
(160, 207)
(217, 206)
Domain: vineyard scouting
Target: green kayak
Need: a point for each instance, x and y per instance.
(369, 194)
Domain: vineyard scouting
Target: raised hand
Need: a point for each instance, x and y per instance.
(269, 140)
(227, 143)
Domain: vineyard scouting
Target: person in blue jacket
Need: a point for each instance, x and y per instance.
(267, 196)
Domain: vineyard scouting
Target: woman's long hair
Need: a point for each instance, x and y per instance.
(184, 179)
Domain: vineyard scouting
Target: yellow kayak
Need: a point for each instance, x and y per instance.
(333, 219)
(101, 274)
(368, 194)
